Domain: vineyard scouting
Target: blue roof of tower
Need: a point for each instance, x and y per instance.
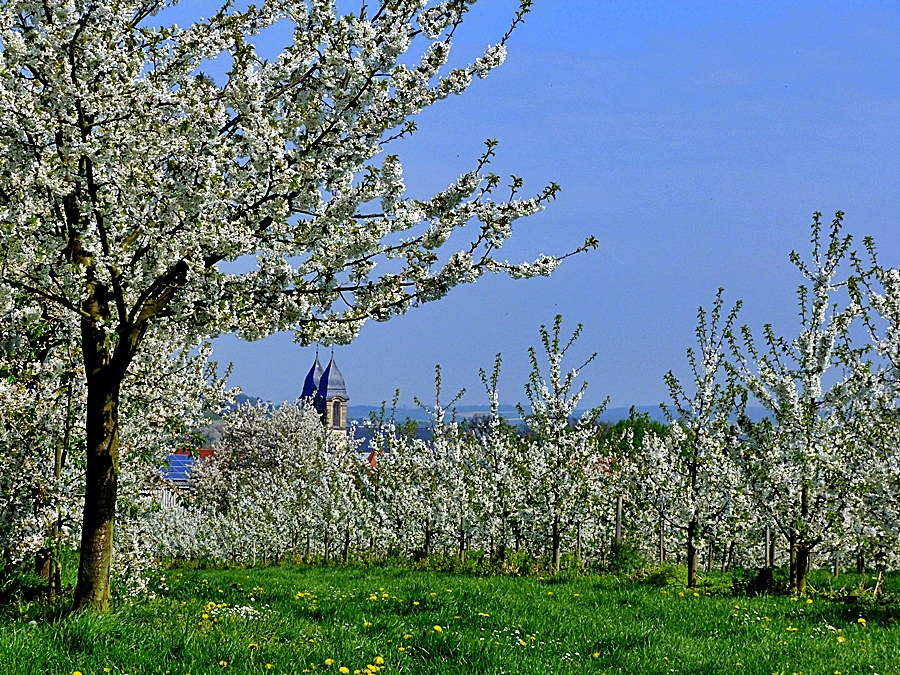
(313, 377)
(331, 384)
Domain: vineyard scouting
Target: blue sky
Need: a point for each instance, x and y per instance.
(694, 140)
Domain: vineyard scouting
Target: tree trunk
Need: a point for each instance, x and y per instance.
(556, 540)
(578, 544)
(619, 519)
(792, 565)
(692, 554)
(346, 552)
(803, 553)
(101, 481)
(860, 562)
(662, 543)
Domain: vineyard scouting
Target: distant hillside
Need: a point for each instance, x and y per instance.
(361, 413)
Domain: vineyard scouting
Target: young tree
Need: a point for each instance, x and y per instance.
(686, 476)
(799, 461)
(129, 174)
(497, 471)
(561, 453)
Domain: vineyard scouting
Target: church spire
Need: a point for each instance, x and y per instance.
(313, 377)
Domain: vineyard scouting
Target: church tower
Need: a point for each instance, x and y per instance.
(329, 394)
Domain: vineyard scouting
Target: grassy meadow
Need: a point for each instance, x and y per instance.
(296, 619)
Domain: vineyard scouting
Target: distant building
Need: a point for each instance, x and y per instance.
(329, 394)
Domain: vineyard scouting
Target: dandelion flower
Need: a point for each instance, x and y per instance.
(223, 663)
(841, 638)
(809, 601)
(379, 661)
(253, 645)
(344, 670)
(438, 629)
(861, 621)
(328, 662)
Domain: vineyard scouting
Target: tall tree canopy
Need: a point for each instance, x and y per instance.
(128, 174)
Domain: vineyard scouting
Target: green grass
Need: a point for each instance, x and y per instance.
(303, 616)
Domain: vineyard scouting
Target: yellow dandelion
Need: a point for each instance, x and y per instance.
(344, 670)
(77, 672)
(696, 594)
(680, 594)
(253, 645)
(379, 661)
(401, 649)
(268, 666)
(223, 663)
(328, 662)
(483, 614)
(596, 655)
(522, 642)
(406, 636)
(205, 616)
(841, 638)
(861, 621)
(415, 603)
(438, 629)
(809, 601)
